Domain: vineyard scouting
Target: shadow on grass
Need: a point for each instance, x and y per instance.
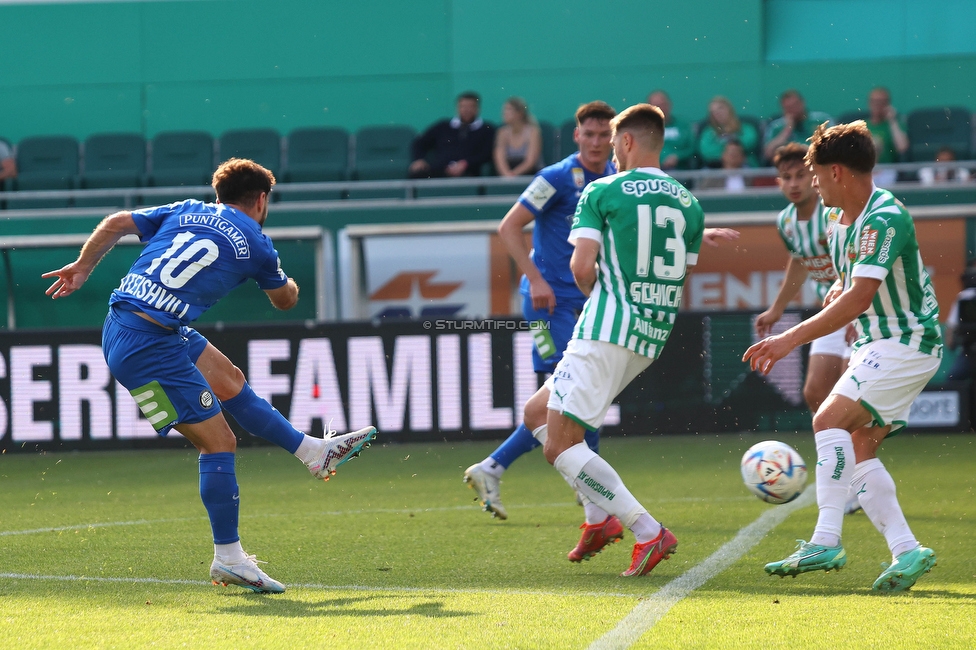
(274, 605)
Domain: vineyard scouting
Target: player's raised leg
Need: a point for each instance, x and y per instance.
(258, 417)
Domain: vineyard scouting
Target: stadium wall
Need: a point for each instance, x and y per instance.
(79, 68)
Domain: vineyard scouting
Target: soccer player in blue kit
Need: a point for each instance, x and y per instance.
(195, 254)
(551, 301)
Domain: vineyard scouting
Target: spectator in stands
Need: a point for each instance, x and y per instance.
(8, 166)
(733, 157)
(933, 175)
(518, 144)
(679, 143)
(455, 147)
(722, 126)
(795, 125)
(889, 135)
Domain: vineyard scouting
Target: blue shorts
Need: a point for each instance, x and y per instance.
(157, 367)
(550, 341)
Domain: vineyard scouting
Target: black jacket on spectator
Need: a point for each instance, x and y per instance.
(450, 140)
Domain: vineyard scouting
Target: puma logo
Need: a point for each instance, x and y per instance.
(854, 379)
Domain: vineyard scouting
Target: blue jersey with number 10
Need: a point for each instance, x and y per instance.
(195, 254)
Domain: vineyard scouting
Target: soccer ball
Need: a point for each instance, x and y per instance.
(774, 472)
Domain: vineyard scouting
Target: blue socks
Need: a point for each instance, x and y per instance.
(521, 441)
(592, 439)
(263, 420)
(218, 491)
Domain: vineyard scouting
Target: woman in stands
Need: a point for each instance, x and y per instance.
(722, 126)
(518, 144)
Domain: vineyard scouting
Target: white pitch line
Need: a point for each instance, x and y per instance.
(650, 610)
(321, 587)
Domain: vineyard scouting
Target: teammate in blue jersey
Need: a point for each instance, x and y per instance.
(195, 254)
(551, 301)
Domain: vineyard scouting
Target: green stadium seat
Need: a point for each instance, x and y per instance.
(45, 163)
(263, 146)
(550, 150)
(182, 158)
(113, 160)
(567, 144)
(931, 129)
(316, 155)
(383, 152)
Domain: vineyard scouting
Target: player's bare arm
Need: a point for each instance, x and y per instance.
(796, 275)
(583, 263)
(106, 234)
(511, 230)
(852, 303)
(715, 236)
(285, 297)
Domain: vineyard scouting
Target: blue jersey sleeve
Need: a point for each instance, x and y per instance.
(269, 274)
(148, 220)
(541, 191)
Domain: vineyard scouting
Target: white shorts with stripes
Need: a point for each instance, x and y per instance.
(885, 377)
(589, 376)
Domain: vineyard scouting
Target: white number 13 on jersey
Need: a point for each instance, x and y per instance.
(663, 215)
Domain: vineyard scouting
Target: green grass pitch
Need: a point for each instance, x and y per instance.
(113, 550)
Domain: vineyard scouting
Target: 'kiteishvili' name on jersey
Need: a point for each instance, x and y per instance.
(650, 230)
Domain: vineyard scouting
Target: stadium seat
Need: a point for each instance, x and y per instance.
(383, 152)
(550, 149)
(45, 163)
(182, 158)
(566, 143)
(263, 146)
(316, 155)
(931, 129)
(113, 160)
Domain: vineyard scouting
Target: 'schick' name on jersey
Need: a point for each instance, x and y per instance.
(656, 295)
(152, 294)
(225, 227)
(639, 188)
(820, 268)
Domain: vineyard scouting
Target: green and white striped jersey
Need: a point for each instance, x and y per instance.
(881, 244)
(650, 228)
(807, 242)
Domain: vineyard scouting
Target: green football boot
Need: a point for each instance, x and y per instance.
(906, 569)
(809, 557)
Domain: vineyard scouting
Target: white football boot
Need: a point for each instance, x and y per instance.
(245, 574)
(487, 487)
(337, 450)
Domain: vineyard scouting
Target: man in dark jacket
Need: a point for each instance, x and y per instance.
(455, 147)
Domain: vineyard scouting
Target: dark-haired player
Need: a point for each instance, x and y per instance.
(551, 301)
(884, 289)
(195, 254)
